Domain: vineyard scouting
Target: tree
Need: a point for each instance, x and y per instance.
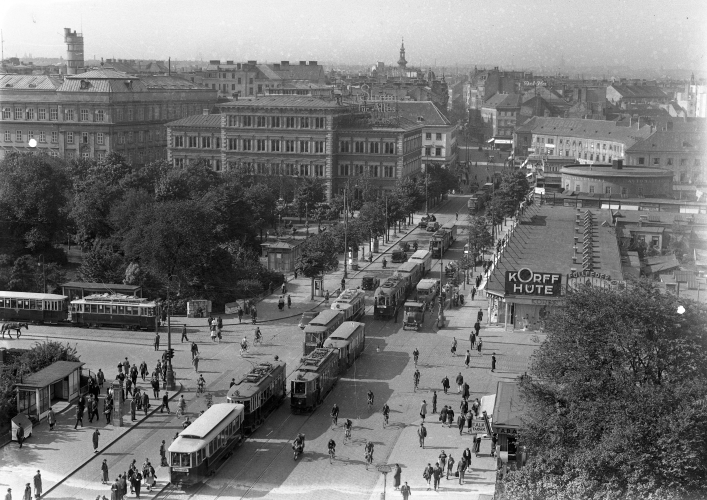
(512, 191)
(318, 257)
(188, 183)
(617, 400)
(309, 193)
(261, 204)
(33, 198)
(102, 264)
(373, 218)
(479, 235)
(410, 194)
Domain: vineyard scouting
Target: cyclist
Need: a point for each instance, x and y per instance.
(332, 449)
(369, 453)
(201, 382)
(370, 399)
(386, 413)
(258, 335)
(415, 355)
(244, 345)
(416, 378)
(299, 442)
(335, 414)
(347, 429)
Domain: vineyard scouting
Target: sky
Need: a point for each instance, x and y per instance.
(441, 33)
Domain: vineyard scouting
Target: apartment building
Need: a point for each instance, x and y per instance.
(439, 135)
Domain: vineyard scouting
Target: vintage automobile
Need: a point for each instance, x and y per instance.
(427, 218)
(414, 315)
(370, 282)
(399, 256)
(432, 226)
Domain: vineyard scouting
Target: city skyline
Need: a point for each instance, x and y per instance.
(520, 34)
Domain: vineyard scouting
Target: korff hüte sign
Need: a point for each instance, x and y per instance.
(527, 282)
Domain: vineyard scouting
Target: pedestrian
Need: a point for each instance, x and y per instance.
(143, 370)
(281, 302)
(422, 434)
(107, 409)
(129, 387)
(96, 433)
(454, 347)
(240, 314)
(493, 362)
(480, 315)
(194, 350)
(163, 455)
(396, 477)
(443, 415)
(38, 484)
(195, 362)
(443, 459)
(434, 402)
(184, 333)
(461, 420)
(104, 472)
(450, 466)
(450, 416)
(145, 402)
(326, 297)
(445, 384)
(460, 381)
(100, 377)
(461, 469)
(136, 481)
(478, 345)
(467, 359)
(8, 496)
(213, 332)
(51, 418)
(165, 403)
(465, 391)
(343, 284)
(466, 457)
(469, 419)
(126, 366)
(133, 409)
(133, 374)
(155, 388)
(284, 289)
(473, 292)
(79, 416)
(405, 491)
(494, 439)
(427, 474)
(423, 410)
(437, 472)
(464, 406)
(289, 301)
(477, 328)
(124, 484)
(90, 409)
(28, 492)
(157, 341)
(457, 216)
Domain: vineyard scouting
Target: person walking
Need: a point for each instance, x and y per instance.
(145, 402)
(466, 456)
(37, 484)
(136, 483)
(184, 333)
(450, 416)
(143, 370)
(289, 301)
(181, 405)
(405, 491)
(434, 402)
(493, 362)
(27, 495)
(473, 292)
(461, 420)
(155, 388)
(480, 316)
(100, 377)
(108, 408)
(450, 466)
(460, 381)
(445, 384)
(165, 403)
(96, 433)
(128, 387)
(423, 410)
(133, 409)
(51, 419)
(443, 415)
(461, 469)
(454, 347)
(194, 350)
(437, 473)
(427, 474)
(478, 345)
(240, 314)
(157, 341)
(79, 416)
(467, 358)
(422, 434)
(464, 406)
(443, 459)
(195, 362)
(396, 477)
(477, 328)
(104, 472)
(163, 455)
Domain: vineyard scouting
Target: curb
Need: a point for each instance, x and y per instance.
(111, 443)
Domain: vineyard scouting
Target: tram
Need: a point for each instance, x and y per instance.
(439, 243)
(313, 379)
(389, 297)
(451, 228)
(412, 272)
(116, 310)
(200, 449)
(350, 341)
(33, 307)
(351, 303)
(317, 331)
(260, 391)
(424, 258)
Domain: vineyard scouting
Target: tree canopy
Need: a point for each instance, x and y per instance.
(617, 400)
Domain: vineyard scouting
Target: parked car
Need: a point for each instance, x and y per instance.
(427, 218)
(307, 316)
(398, 256)
(432, 226)
(370, 282)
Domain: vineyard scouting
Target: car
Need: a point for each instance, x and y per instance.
(307, 316)
(432, 226)
(427, 218)
(370, 282)
(399, 256)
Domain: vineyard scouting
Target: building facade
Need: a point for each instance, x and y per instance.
(499, 115)
(615, 179)
(91, 114)
(439, 135)
(682, 153)
(627, 95)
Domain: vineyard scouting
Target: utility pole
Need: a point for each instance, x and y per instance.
(346, 226)
(427, 198)
(387, 237)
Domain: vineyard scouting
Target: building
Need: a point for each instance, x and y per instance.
(558, 247)
(586, 141)
(282, 254)
(615, 179)
(499, 114)
(59, 382)
(297, 136)
(627, 95)
(439, 135)
(74, 52)
(682, 153)
(91, 114)
(508, 412)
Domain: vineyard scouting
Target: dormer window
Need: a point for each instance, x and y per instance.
(129, 84)
(84, 85)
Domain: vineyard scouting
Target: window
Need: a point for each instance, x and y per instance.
(591, 189)
(192, 141)
(85, 156)
(289, 122)
(8, 136)
(99, 138)
(319, 170)
(275, 145)
(84, 115)
(359, 146)
(55, 137)
(247, 121)
(239, 81)
(69, 137)
(304, 122)
(100, 115)
(304, 146)
(683, 177)
(577, 188)
(670, 162)
(246, 145)
(428, 151)
(656, 161)
(374, 147)
(42, 114)
(344, 146)
(260, 121)
(6, 113)
(641, 160)
(121, 138)
(206, 142)
(438, 137)
(30, 135)
(388, 171)
(624, 191)
(438, 151)
(319, 122)
(607, 190)
(319, 146)
(389, 148)
(84, 137)
(232, 144)
(69, 115)
(428, 136)
(260, 144)
(29, 114)
(290, 146)
(18, 113)
(275, 122)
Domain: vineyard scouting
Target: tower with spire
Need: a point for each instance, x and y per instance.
(402, 62)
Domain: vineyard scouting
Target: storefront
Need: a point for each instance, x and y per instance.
(528, 299)
(508, 412)
(59, 381)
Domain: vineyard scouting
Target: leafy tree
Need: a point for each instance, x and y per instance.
(33, 190)
(617, 400)
(188, 183)
(24, 275)
(261, 203)
(411, 195)
(102, 264)
(309, 193)
(479, 234)
(318, 257)
(372, 219)
(513, 190)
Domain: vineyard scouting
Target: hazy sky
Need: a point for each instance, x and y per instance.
(518, 33)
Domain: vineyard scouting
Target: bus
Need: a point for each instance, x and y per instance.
(424, 257)
(351, 303)
(350, 341)
(116, 310)
(427, 290)
(313, 379)
(412, 272)
(260, 391)
(317, 331)
(202, 447)
(33, 307)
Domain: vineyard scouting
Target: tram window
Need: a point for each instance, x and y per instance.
(100, 308)
(134, 310)
(32, 304)
(13, 303)
(121, 309)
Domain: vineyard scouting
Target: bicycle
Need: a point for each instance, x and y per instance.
(331, 455)
(535, 338)
(370, 404)
(334, 421)
(347, 435)
(244, 349)
(385, 419)
(258, 340)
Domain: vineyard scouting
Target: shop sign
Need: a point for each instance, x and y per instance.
(478, 426)
(505, 430)
(590, 278)
(527, 282)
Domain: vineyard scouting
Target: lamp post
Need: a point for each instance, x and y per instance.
(170, 380)
(44, 275)
(346, 243)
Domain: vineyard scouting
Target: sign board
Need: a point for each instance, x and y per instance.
(590, 278)
(180, 469)
(478, 426)
(527, 282)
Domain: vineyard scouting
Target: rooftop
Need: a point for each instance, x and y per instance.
(29, 82)
(499, 100)
(639, 91)
(201, 427)
(287, 101)
(206, 121)
(429, 113)
(671, 141)
(52, 373)
(608, 171)
(508, 408)
(585, 129)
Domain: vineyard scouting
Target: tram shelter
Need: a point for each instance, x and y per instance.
(59, 381)
(80, 289)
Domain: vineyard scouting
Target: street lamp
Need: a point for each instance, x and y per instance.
(170, 380)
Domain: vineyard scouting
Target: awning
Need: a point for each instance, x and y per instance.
(504, 141)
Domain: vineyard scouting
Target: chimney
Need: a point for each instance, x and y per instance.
(617, 164)
(252, 63)
(276, 66)
(229, 62)
(284, 63)
(312, 63)
(303, 63)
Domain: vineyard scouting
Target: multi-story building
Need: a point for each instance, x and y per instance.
(626, 95)
(586, 141)
(297, 136)
(91, 114)
(439, 135)
(499, 114)
(682, 153)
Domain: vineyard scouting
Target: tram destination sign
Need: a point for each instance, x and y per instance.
(527, 282)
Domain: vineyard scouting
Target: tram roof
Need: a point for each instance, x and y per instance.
(253, 380)
(33, 296)
(323, 318)
(408, 266)
(114, 299)
(345, 330)
(202, 426)
(349, 294)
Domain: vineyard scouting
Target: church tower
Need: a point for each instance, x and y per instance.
(402, 62)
